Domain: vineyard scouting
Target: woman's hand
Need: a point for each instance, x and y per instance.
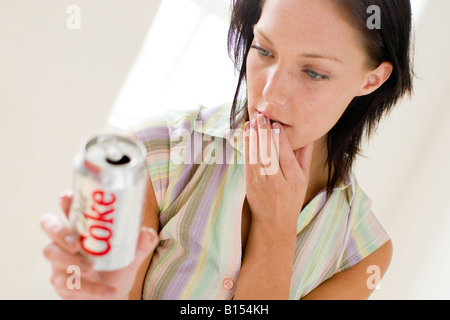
(276, 183)
(276, 192)
(64, 250)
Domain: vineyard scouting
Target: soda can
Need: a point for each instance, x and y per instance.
(109, 195)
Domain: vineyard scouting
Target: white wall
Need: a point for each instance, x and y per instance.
(183, 62)
(407, 170)
(57, 86)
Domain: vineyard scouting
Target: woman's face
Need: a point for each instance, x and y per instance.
(305, 66)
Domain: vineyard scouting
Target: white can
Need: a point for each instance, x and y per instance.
(109, 196)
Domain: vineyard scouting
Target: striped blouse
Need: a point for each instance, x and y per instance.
(197, 171)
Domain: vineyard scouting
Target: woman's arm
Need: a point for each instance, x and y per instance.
(150, 220)
(267, 266)
(266, 274)
(355, 283)
(275, 198)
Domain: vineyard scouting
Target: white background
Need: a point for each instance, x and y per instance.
(58, 86)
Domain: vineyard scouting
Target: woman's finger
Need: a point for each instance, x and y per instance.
(304, 157)
(61, 260)
(65, 201)
(81, 288)
(268, 154)
(253, 144)
(147, 242)
(289, 166)
(248, 169)
(252, 167)
(293, 164)
(60, 233)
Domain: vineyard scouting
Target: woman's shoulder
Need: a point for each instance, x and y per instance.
(197, 115)
(360, 200)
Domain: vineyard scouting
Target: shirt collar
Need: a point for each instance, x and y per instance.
(312, 209)
(215, 122)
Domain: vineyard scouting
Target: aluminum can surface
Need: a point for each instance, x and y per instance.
(110, 184)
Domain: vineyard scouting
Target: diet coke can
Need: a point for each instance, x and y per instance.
(109, 195)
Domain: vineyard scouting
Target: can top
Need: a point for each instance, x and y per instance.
(114, 151)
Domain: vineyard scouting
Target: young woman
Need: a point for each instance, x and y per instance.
(315, 77)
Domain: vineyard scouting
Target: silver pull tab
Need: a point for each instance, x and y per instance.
(113, 153)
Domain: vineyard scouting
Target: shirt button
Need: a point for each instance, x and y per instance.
(228, 284)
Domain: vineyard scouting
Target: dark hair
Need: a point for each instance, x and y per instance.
(391, 42)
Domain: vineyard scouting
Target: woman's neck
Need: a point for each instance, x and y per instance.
(318, 176)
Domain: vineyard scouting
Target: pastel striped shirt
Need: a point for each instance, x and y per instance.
(197, 171)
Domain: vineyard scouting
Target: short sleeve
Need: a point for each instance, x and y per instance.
(365, 234)
(365, 239)
(163, 137)
(156, 139)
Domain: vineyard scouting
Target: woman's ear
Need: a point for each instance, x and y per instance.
(376, 78)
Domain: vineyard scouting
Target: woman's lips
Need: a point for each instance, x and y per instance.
(273, 120)
(285, 126)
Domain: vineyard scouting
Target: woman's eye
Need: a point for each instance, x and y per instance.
(315, 76)
(261, 51)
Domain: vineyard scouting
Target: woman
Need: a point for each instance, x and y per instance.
(281, 215)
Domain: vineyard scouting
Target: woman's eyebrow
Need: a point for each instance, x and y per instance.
(262, 34)
(318, 56)
(258, 30)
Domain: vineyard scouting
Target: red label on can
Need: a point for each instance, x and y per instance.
(100, 220)
(91, 167)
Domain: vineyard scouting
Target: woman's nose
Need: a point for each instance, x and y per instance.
(277, 88)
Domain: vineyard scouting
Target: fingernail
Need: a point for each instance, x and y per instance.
(151, 233)
(70, 240)
(65, 194)
(262, 120)
(45, 217)
(276, 128)
(50, 222)
(254, 124)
